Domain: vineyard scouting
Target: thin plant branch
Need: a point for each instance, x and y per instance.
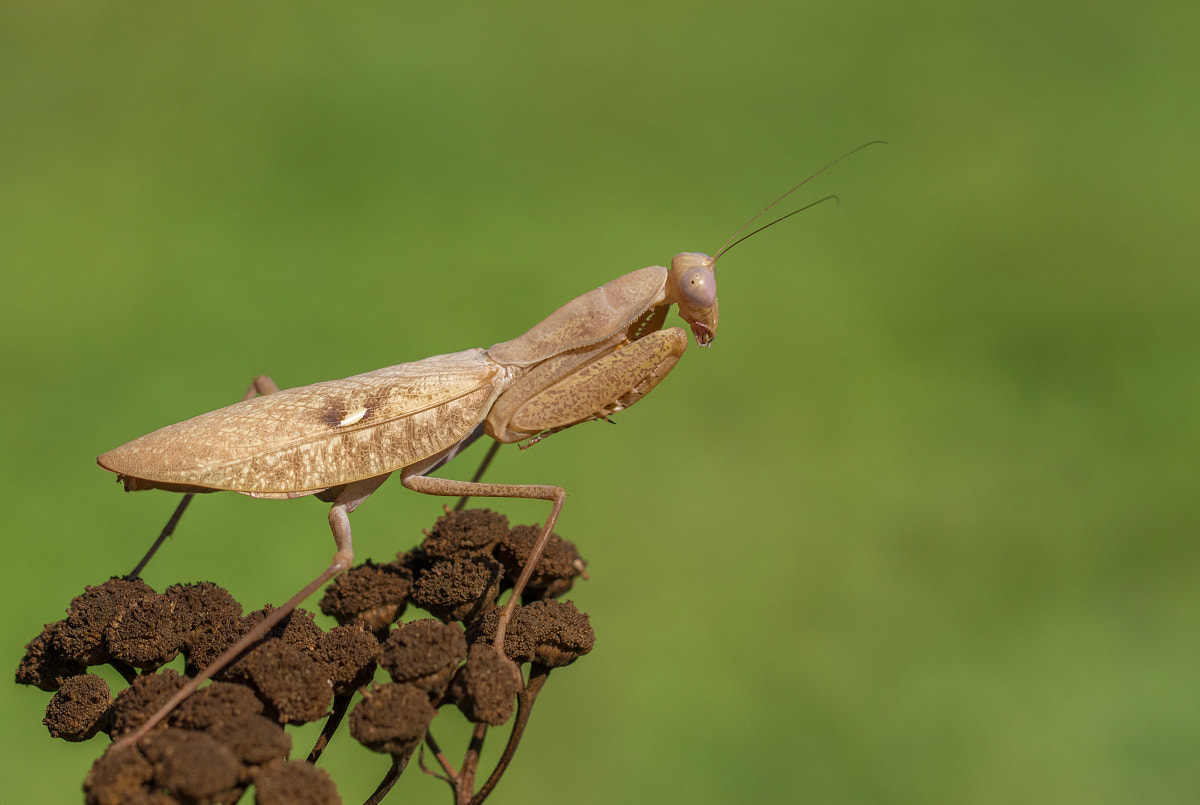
(385, 785)
(425, 769)
(341, 703)
(466, 780)
(525, 700)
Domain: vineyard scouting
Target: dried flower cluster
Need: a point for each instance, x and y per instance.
(230, 735)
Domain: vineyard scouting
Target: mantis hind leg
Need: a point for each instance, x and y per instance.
(347, 501)
(483, 465)
(555, 495)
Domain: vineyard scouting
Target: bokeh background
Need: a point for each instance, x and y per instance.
(920, 526)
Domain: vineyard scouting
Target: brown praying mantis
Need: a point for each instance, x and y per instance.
(340, 440)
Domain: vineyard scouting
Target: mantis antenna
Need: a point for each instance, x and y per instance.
(735, 240)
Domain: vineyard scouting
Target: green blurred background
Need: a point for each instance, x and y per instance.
(920, 527)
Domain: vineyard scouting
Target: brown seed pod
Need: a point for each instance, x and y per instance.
(556, 570)
(458, 533)
(145, 635)
(43, 665)
(424, 653)
(294, 686)
(296, 782)
(486, 686)
(81, 638)
(551, 633)
(371, 593)
(142, 699)
(392, 719)
(118, 777)
(79, 709)
(194, 766)
(220, 701)
(254, 740)
(348, 654)
(458, 589)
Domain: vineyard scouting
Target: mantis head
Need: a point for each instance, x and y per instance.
(692, 284)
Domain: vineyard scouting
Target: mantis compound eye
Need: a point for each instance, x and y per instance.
(699, 286)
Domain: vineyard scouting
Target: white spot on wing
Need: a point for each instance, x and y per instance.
(352, 417)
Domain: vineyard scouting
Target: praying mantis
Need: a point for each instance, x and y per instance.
(340, 440)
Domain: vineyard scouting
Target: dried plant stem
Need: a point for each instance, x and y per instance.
(444, 761)
(124, 669)
(341, 703)
(525, 699)
(465, 784)
(385, 785)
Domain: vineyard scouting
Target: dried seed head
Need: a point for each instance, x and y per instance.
(556, 570)
(222, 738)
(118, 777)
(146, 635)
(220, 701)
(254, 740)
(79, 709)
(464, 532)
(296, 629)
(43, 665)
(424, 653)
(139, 701)
(550, 633)
(205, 645)
(194, 766)
(370, 593)
(392, 719)
(348, 655)
(296, 782)
(201, 607)
(458, 589)
(564, 634)
(294, 686)
(82, 637)
(486, 686)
